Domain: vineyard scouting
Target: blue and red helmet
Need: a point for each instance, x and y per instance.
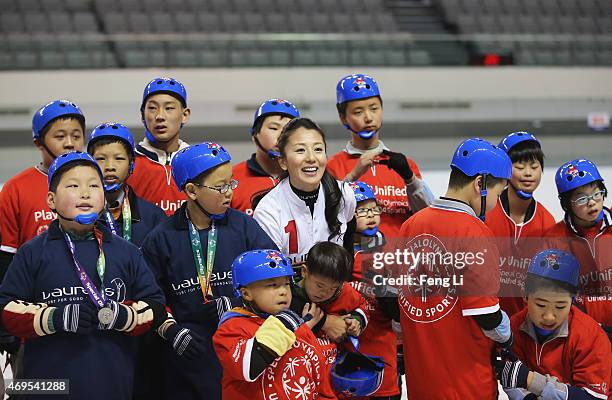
(515, 138)
(117, 131)
(362, 191)
(556, 265)
(356, 87)
(257, 265)
(275, 106)
(53, 110)
(355, 374)
(164, 85)
(192, 161)
(576, 173)
(477, 156)
(69, 158)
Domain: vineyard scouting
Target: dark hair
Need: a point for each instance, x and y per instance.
(341, 107)
(47, 127)
(527, 151)
(458, 180)
(333, 195)
(565, 197)
(65, 168)
(259, 121)
(329, 260)
(103, 141)
(535, 282)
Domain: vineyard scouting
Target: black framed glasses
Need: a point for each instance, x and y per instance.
(364, 212)
(221, 189)
(597, 196)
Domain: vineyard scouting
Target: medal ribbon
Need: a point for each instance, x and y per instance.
(96, 296)
(204, 270)
(126, 213)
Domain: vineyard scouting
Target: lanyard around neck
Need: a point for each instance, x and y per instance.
(96, 296)
(204, 269)
(126, 213)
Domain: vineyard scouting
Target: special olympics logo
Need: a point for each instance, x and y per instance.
(427, 300)
(298, 377)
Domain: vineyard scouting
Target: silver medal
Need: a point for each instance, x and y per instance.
(105, 315)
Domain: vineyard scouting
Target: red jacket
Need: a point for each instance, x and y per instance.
(253, 182)
(517, 244)
(578, 355)
(593, 249)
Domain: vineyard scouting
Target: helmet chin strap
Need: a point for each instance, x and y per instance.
(270, 153)
(112, 187)
(213, 217)
(542, 331)
(483, 197)
(362, 134)
(83, 219)
(370, 232)
(521, 194)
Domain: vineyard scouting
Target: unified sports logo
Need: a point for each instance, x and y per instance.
(361, 83)
(428, 299)
(572, 170)
(275, 256)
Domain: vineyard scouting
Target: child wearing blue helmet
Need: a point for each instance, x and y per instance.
(267, 350)
(378, 339)
(397, 182)
(261, 172)
(127, 215)
(57, 128)
(586, 232)
(191, 255)
(163, 112)
(519, 220)
(80, 292)
(558, 351)
(452, 329)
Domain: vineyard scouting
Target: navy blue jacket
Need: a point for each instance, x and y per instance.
(145, 217)
(168, 252)
(99, 365)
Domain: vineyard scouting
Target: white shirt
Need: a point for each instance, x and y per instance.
(287, 220)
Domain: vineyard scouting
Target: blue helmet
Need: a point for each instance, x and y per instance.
(356, 87)
(357, 375)
(362, 191)
(576, 173)
(275, 106)
(53, 110)
(191, 161)
(68, 158)
(476, 156)
(164, 85)
(556, 265)
(257, 265)
(515, 138)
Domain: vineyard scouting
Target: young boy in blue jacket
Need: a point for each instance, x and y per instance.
(191, 256)
(77, 293)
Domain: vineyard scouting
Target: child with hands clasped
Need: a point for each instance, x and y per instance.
(80, 292)
(324, 283)
(562, 352)
(267, 350)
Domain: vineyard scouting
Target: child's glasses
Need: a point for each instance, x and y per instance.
(597, 196)
(223, 188)
(364, 212)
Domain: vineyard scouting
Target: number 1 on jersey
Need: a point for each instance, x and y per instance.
(291, 229)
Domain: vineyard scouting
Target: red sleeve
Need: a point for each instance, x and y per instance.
(480, 278)
(593, 364)
(23, 319)
(354, 302)
(233, 345)
(9, 218)
(414, 167)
